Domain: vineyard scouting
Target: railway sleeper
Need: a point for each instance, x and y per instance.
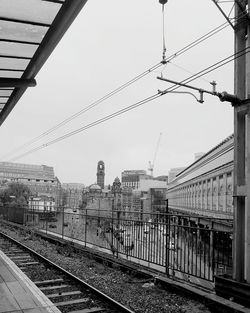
(27, 264)
(12, 254)
(53, 287)
(91, 310)
(22, 261)
(63, 294)
(72, 302)
(16, 250)
(47, 282)
(20, 257)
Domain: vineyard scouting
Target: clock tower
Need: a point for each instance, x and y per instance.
(100, 174)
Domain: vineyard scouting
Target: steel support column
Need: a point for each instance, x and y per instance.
(247, 215)
(241, 235)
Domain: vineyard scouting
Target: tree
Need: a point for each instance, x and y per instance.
(16, 194)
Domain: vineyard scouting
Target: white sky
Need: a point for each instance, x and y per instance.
(110, 43)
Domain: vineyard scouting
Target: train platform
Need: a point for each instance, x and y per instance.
(18, 294)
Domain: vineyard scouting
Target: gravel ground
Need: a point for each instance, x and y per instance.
(134, 293)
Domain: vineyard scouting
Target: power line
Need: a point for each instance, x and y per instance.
(97, 122)
(133, 80)
(187, 71)
(85, 109)
(213, 67)
(137, 104)
(204, 37)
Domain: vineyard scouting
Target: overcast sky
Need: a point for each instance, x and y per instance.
(108, 44)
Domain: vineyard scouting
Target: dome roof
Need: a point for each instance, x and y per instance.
(95, 187)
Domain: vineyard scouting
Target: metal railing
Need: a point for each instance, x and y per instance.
(182, 246)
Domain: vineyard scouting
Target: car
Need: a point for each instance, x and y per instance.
(171, 245)
(146, 229)
(163, 230)
(52, 226)
(108, 230)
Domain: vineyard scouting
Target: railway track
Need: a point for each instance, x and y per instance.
(69, 293)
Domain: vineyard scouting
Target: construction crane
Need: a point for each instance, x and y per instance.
(151, 164)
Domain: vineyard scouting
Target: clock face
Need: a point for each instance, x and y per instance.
(101, 167)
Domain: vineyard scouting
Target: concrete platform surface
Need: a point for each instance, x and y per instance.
(18, 294)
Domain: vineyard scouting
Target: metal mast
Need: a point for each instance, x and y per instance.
(241, 194)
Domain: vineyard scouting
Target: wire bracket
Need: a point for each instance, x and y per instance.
(223, 96)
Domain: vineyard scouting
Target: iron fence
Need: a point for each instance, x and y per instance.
(182, 246)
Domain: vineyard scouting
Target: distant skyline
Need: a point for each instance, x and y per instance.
(109, 44)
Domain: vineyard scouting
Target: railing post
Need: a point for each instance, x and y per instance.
(86, 225)
(8, 213)
(212, 255)
(118, 228)
(112, 223)
(167, 240)
(62, 222)
(46, 219)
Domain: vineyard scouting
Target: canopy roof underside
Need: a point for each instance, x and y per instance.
(29, 32)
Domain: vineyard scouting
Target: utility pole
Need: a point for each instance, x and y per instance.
(241, 103)
(248, 152)
(241, 237)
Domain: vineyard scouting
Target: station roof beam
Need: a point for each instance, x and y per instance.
(29, 32)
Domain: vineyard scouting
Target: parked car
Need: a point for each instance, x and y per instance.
(52, 226)
(171, 245)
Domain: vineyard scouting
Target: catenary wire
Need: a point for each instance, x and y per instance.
(95, 103)
(187, 71)
(213, 67)
(90, 125)
(85, 109)
(205, 37)
(135, 105)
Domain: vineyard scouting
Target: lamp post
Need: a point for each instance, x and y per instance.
(167, 263)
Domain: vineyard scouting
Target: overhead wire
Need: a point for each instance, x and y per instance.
(133, 80)
(85, 109)
(212, 67)
(204, 37)
(198, 41)
(187, 71)
(137, 104)
(90, 125)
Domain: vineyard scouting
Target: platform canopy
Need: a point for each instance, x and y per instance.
(29, 32)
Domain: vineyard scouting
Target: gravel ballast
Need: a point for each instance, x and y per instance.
(137, 294)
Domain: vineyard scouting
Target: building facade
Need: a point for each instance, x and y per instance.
(206, 186)
(132, 178)
(40, 179)
(136, 194)
(42, 204)
(97, 201)
(173, 172)
(72, 195)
